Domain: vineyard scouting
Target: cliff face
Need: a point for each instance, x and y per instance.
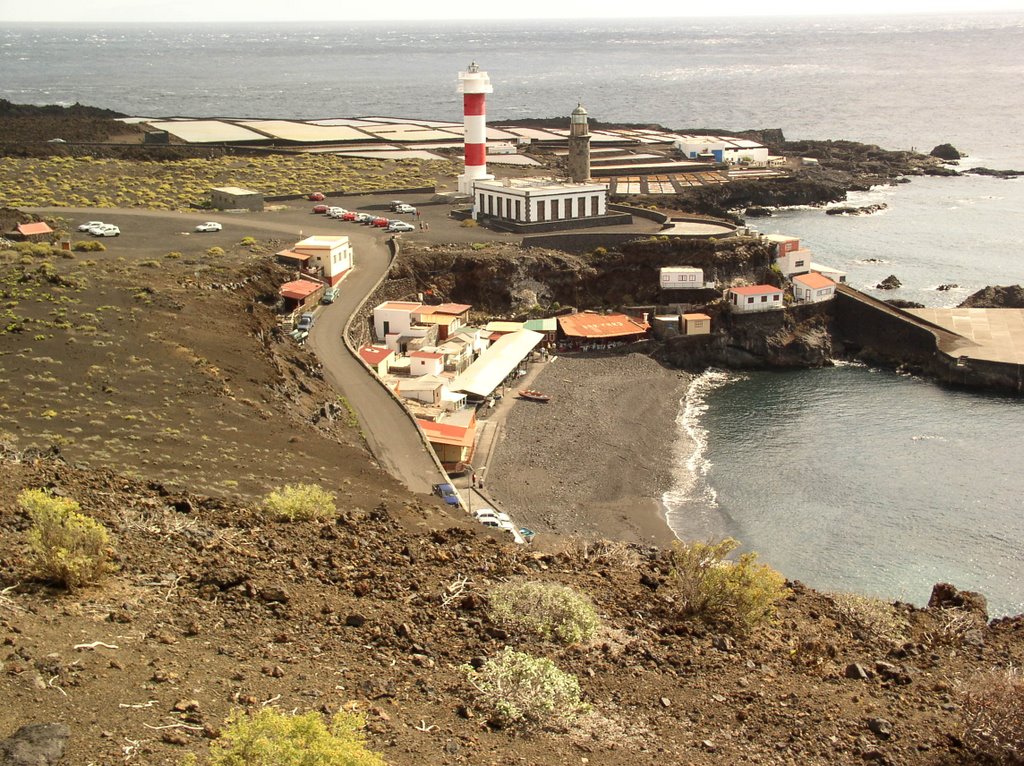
(505, 279)
(797, 338)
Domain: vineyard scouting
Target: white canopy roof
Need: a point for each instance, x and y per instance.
(494, 364)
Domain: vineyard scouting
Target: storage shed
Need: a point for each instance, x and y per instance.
(235, 198)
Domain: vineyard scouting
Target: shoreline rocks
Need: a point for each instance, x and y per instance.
(850, 210)
(889, 283)
(946, 152)
(995, 297)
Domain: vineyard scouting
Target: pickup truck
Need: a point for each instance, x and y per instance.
(305, 323)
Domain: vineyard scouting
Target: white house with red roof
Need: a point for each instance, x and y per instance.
(327, 257)
(752, 298)
(426, 362)
(813, 288)
(378, 357)
(789, 256)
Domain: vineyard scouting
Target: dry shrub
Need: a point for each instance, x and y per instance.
(273, 738)
(89, 246)
(520, 690)
(737, 594)
(993, 711)
(549, 610)
(68, 547)
(873, 616)
(469, 223)
(603, 552)
(300, 502)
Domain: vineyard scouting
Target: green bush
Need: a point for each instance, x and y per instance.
(520, 690)
(215, 251)
(68, 547)
(739, 594)
(300, 502)
(478, 245)
(547, 609)
(89, 246)
(272, 738)
(247, 241)
(993, 711)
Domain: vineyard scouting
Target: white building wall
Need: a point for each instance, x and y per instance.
(749, 304)
(399, 321)
(676, 278)
(795, 262)
(422, 366)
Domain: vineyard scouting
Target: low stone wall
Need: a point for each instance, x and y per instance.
(342, 193)
(640, 212)
(582, 242)
(563, 224)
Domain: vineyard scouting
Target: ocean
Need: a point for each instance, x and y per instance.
(845, 478)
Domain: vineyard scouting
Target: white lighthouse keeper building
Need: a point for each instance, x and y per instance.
(474, 86)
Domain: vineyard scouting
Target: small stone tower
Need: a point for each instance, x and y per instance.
(579, 146)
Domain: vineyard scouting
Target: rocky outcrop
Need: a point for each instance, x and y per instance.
(947, 287)
(889, 283)
(850, 210)
(947, 596)
(994, 297)
(758, 212)
(39, 744)
(903, 304)
(946, 152)
(994, 173)
(799, 337)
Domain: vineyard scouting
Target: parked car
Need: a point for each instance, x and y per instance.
(209, 226)
(363, 217)
(400, 226)
(349, 215)
(395, 203)
(330, 294)
(447, 493)
(380, 223)
(490, 521)
(336, 212)
(316, 197)
(90, 224)
(403, 208)
(489, 513)
(305, 322)
(105, 230)
(319, 209)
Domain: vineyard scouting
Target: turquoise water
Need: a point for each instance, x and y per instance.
(852, 478)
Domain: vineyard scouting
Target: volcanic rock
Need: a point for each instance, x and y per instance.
(889, 283)
(945, 152)
(38, 744)
(1009, 297)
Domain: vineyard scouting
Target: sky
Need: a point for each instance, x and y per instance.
(432, 10)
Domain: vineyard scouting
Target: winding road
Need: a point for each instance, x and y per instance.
(390, 432)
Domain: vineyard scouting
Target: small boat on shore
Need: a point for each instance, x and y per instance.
(533, 396)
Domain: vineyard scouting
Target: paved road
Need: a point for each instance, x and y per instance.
(390, 434)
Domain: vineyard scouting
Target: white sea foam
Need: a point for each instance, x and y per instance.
(691, 500)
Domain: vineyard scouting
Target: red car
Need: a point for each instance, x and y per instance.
(316, 197)
(380, 222)
(349, 216)
(319, 208)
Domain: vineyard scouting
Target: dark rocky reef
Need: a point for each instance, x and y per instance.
(862, 210)
(889, 283)
(994, 297)
(994, 173)
(900, 303)
(946, 152)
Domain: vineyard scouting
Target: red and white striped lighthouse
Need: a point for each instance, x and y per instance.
(474, 85)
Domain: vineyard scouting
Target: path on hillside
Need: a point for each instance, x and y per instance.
(390, 433)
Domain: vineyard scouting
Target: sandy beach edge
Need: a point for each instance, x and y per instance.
(595, 462)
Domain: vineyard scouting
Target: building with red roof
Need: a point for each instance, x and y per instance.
(813, 288)
(378, 357)
(749, 299)
(452, 439)
(591, 327)
(301, 294)
(36, 231)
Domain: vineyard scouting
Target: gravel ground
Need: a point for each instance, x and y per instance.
(595, 461)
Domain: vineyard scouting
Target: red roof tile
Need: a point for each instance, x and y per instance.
(445, 433)
(426, 355)
(755, 290)
(29, 229)
(588, 325)
(814, 281)
(374, 355)
(299, 289)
